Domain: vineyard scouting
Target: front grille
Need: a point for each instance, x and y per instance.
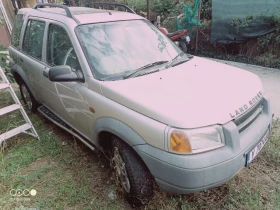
(249, 117)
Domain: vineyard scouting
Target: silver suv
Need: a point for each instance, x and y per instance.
(118, 84)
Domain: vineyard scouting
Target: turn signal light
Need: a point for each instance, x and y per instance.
(179, 142)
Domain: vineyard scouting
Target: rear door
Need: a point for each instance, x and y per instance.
(30, 57)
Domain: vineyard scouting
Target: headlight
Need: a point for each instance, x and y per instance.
(195, 140)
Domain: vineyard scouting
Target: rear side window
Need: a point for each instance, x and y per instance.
(16, 30)
(33, 38)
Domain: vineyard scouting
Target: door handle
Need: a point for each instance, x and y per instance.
(21, 59)
(46, 74)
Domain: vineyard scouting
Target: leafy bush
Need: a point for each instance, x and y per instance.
(137, 5)
(263, 41)
(263, 50)
(4, 66)
(206, 10)
(169, 10)
(238, 23)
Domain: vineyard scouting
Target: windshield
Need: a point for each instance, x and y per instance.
(116, 48)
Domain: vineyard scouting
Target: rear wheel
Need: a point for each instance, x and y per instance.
(28, 98)
(132, 175)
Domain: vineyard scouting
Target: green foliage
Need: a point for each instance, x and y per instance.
(269, 59)
(137, 5)
(277, 39)
(170, 21)
(270, 43)
(275, 22)
(2, 48)
(4, 66)
(275, 19)
(263, 50)
(206, 10)
(237, 23)
(169, 10)
(163, 7)
(263, 41)
(170, 24)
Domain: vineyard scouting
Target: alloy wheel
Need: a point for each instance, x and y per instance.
(120, 169)
(26, 97)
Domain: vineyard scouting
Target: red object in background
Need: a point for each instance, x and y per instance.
(164, 30)
(176, 35)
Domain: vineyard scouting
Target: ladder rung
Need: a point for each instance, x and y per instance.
(14, 132)
(3, 86)
(9, 109)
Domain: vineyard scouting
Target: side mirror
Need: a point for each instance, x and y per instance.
(65, 74)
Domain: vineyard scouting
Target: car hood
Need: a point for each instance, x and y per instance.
(197, 93)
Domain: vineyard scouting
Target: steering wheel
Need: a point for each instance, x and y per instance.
(67, 55)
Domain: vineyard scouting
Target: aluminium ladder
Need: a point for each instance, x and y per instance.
(5, 84)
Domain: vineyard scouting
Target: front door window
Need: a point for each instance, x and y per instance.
(60, 50)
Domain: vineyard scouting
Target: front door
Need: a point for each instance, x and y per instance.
(66, 99)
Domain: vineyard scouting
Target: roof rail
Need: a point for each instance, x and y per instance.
(68, 13)
(109, 4)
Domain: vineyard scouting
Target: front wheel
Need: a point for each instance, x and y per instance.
(28, 98)
(131, 173)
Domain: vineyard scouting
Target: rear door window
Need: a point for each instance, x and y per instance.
(16, 30)
(33, 38)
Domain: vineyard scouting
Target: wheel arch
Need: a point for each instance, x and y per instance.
(109, 126)
(106, 128)
(20, 76)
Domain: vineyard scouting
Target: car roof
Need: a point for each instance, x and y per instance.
(81, 15)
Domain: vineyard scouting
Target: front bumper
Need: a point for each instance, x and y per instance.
(191, 173)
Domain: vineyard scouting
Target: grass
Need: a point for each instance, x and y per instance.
(67, 175)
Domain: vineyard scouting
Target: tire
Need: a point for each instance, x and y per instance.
(28, 98)
(141, 185)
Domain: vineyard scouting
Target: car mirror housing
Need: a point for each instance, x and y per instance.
(64, 73)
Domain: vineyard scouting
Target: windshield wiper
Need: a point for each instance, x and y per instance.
(180, 62)
(175, 59)
(144, 67)
(111, 77)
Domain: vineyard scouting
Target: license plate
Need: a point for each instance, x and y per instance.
(255, 151)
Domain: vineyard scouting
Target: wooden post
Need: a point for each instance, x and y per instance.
(196, 37)
(148, 9)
